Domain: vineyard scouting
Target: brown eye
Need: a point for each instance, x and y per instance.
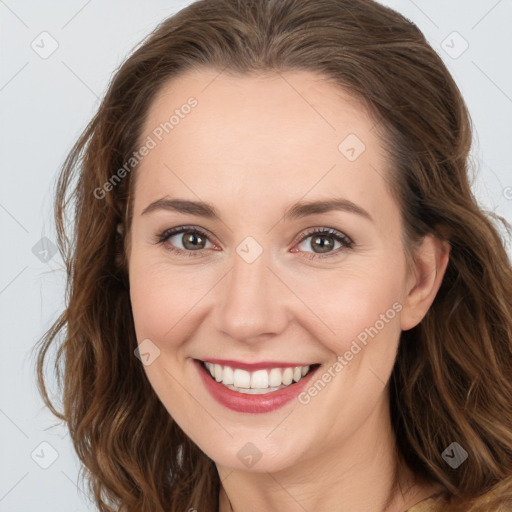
(324, 241)
(185, 240)
(192, 240)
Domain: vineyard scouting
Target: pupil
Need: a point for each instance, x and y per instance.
(192, 240)
(324, 247)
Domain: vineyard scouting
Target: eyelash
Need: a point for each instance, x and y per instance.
(346, 242)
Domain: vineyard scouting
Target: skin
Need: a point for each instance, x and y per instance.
(252, 146)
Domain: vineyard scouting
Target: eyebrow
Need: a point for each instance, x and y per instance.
(295, 211)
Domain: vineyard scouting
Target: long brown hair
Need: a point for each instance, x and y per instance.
(452, 381)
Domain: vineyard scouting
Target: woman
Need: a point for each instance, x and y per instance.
(282, 292)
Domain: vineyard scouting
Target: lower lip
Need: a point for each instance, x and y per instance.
(242, 402)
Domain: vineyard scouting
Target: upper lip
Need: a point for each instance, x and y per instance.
(255, 366)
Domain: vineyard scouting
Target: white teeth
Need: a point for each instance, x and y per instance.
(228, 376)
(259, 379)
(257, 382)
(218, 372)
(275, 377)
(287, 376)
(241, 379)
(254, 391)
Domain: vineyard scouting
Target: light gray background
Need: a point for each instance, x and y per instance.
(45, 104)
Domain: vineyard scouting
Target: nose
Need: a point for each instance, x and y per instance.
(252, 302)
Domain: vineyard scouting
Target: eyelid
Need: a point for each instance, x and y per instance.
(182, 229)
(323, 230)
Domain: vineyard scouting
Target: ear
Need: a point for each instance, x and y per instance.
(429, 264)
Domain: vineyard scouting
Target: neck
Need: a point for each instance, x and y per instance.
(362, 472)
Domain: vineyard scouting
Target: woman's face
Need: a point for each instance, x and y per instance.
(297, 262)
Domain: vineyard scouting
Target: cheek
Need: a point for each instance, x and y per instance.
(164, 299)
(362, 304)
(163, 305)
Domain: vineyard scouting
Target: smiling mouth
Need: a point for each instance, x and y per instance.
(256, 382)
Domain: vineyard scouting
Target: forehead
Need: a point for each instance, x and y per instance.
(259, 135)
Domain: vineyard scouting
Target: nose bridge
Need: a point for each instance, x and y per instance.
(251, 302)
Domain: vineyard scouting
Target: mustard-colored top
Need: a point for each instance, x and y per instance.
(427, 505)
